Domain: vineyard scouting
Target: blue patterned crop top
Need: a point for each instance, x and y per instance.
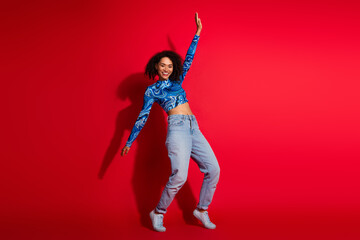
(168, 94)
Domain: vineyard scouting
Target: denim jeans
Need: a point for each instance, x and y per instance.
(184, 140)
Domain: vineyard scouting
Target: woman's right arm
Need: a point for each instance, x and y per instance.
(140, 121)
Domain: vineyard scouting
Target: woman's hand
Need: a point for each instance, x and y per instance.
(198, 24)
(125, 150)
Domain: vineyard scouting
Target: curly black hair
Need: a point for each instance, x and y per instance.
(151, 71)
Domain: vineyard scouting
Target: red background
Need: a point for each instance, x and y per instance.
(274, 86)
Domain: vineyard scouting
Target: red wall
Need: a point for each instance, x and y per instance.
(274, 86)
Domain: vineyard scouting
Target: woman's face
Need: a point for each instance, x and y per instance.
(164, 68)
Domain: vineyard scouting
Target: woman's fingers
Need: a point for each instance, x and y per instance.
(197, 20)
(125, 151)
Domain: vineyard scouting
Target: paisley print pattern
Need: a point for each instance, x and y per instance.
(168, 94)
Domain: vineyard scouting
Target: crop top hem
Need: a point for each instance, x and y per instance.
(177, 105)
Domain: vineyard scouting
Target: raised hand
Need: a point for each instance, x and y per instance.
(198, 24)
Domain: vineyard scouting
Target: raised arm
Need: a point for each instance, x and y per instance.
(141, 120)
(191, 51)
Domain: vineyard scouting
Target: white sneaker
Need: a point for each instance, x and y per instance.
(204, 218)
(157, 221)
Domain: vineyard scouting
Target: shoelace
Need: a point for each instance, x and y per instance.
(207, 217)
(160, 222)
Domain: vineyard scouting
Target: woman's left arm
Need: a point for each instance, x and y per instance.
(191, 51)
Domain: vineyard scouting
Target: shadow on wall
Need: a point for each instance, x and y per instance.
(152, 166)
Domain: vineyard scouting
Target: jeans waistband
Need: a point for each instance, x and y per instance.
(182, 116)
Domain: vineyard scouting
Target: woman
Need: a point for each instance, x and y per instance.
(184, 139)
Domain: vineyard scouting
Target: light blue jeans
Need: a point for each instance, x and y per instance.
(184, 140)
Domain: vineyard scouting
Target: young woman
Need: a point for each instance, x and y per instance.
(184, 139)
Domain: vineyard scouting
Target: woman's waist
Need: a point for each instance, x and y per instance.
(189, 117)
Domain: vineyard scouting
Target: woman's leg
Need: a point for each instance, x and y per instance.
(204, 156)
(178, 143)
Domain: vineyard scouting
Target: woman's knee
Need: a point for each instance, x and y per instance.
(178, 178)
(214, 171)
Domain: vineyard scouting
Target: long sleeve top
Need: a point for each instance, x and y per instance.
(168, 94)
